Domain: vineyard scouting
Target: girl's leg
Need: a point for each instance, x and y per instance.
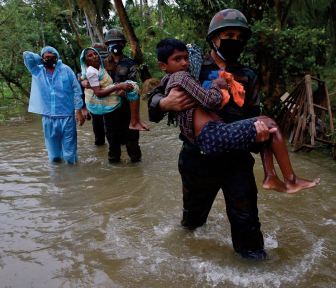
(213, 136)
(201, 118)
(278, 147)
(271, 179)
(134, 102)
(136, 123)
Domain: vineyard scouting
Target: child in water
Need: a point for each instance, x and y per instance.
(201, 126)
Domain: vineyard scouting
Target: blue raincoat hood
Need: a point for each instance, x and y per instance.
(49, 49)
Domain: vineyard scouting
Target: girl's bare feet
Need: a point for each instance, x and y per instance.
(140, 126)
(274, 183)
(298, 184)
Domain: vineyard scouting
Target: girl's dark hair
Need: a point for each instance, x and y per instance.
(165, 48)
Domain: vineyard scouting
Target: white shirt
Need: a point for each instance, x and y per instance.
(92, 76)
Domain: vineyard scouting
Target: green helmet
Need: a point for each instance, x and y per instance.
(228, 18)
(114, 34)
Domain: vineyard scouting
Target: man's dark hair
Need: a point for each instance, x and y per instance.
(165, 48)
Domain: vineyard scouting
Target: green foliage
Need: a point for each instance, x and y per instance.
(329, 74)
(15, 34)
(55, 29)
(29, 25)
(281, 55)
(181, 28)
(202, 11)
(295, 51)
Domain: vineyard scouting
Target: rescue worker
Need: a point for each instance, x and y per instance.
(122, 68)
(56, 95)
(232, 171)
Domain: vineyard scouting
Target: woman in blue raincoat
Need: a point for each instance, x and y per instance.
(56, 95)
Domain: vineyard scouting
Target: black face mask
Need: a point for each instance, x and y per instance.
(115, 49)
(230, 49)
(49, 63)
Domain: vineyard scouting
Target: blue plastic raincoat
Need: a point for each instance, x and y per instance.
(55, 98)
(61, 96)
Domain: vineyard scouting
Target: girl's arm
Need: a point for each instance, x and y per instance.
(92, 76)
(103, 92)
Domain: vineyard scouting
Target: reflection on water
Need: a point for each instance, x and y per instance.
(102, 225)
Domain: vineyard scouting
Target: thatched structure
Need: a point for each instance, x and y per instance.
(305, 115)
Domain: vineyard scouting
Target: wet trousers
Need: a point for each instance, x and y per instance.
(203, 176)
(98, 129)
(115, 126)
(60, 138)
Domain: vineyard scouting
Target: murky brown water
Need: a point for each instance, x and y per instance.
(102, 225)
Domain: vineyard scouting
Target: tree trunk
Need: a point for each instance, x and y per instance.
(160, 12)
(141, 9)
(146, 10)
(73, 25)
(254, 9)
(94, 16)
(75, 31)
(282, 10)
(129, 31)
(89, 29)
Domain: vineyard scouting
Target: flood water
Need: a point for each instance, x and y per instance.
(101, 225)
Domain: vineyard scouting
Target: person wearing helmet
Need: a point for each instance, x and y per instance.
(56, 95)
(203, 128)
(121, 68)
(232, 171)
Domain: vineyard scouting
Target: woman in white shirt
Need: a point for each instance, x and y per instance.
(105, 97)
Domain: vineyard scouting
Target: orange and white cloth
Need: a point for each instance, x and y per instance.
(237, 90)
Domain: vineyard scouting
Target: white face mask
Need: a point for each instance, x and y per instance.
(115, 49)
